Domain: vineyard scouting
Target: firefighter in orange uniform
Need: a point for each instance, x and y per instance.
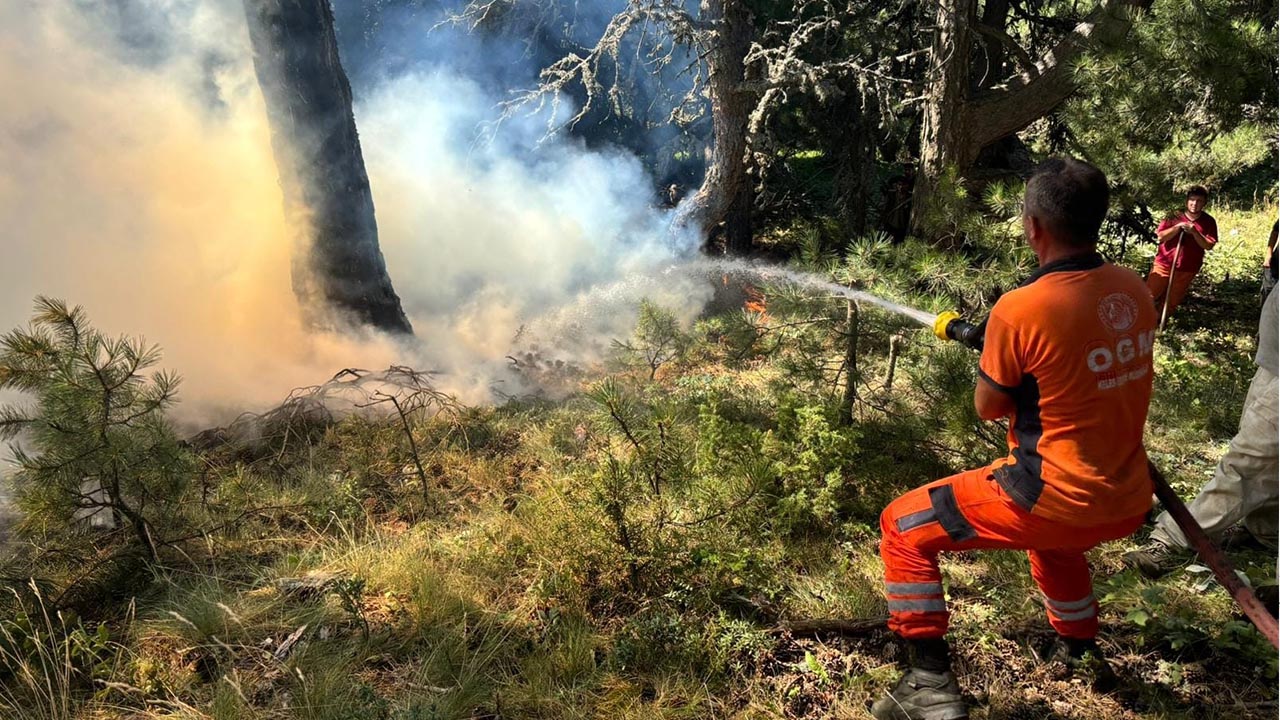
(1067, 357)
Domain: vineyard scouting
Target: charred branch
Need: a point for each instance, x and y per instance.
(659, 29)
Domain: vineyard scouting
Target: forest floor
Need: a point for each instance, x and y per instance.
(642, 546)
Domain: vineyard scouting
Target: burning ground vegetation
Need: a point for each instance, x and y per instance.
(686, 527)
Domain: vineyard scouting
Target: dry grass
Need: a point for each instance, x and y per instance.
(509, 594)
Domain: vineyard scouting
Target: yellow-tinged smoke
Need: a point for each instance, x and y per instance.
(137, 179)
(127, 191)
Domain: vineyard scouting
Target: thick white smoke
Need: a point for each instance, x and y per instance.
(138, 181)
(481, 242)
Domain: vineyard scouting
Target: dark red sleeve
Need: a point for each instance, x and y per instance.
(1210, 231)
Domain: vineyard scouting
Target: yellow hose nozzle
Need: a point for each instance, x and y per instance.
(942, 321)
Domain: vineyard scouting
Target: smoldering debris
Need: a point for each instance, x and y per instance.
(307, 412)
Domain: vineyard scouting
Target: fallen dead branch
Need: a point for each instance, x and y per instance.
(308, 411)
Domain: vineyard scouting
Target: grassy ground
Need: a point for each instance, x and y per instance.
(638, 549)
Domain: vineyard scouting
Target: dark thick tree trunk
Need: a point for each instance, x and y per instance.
(850, 145)
(995, 43)
(726, 194)
(945, 140)
(339, 274)
(958, 124)
(1004, 110)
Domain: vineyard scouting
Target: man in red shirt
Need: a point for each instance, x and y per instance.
(1184, 240)
(1067, 356)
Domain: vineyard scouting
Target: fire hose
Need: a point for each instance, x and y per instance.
(1214, 558)
(949, 326)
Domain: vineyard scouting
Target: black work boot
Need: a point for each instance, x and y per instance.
(1157, 558)
(928, 691)
(1084, 659)
(1238, 537)
(922, 695)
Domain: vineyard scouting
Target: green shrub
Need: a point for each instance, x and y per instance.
(95, 440)
(658, 340)
(811, 457)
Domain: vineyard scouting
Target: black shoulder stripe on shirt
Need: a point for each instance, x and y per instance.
(1075, 263)
(1006, 389)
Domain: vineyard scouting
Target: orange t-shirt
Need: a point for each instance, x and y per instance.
(1072, 347)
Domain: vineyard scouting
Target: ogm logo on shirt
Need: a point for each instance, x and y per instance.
(1112, 361)
(1118, 311)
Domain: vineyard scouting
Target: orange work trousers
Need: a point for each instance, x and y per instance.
(970, 511)
(1160, 283)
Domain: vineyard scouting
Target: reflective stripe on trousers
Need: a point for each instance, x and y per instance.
(970, 511)
(925, 597)
(1071, 610)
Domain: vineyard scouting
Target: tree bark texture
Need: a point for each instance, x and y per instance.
(944, 138)
(995, 43)
(958, 124)
(1004, 110)
(339, 273)
(895, 346)
(726, 194)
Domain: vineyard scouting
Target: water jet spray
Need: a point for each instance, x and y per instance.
(803, 279)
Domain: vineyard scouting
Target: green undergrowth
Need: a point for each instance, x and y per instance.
(638, 548)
